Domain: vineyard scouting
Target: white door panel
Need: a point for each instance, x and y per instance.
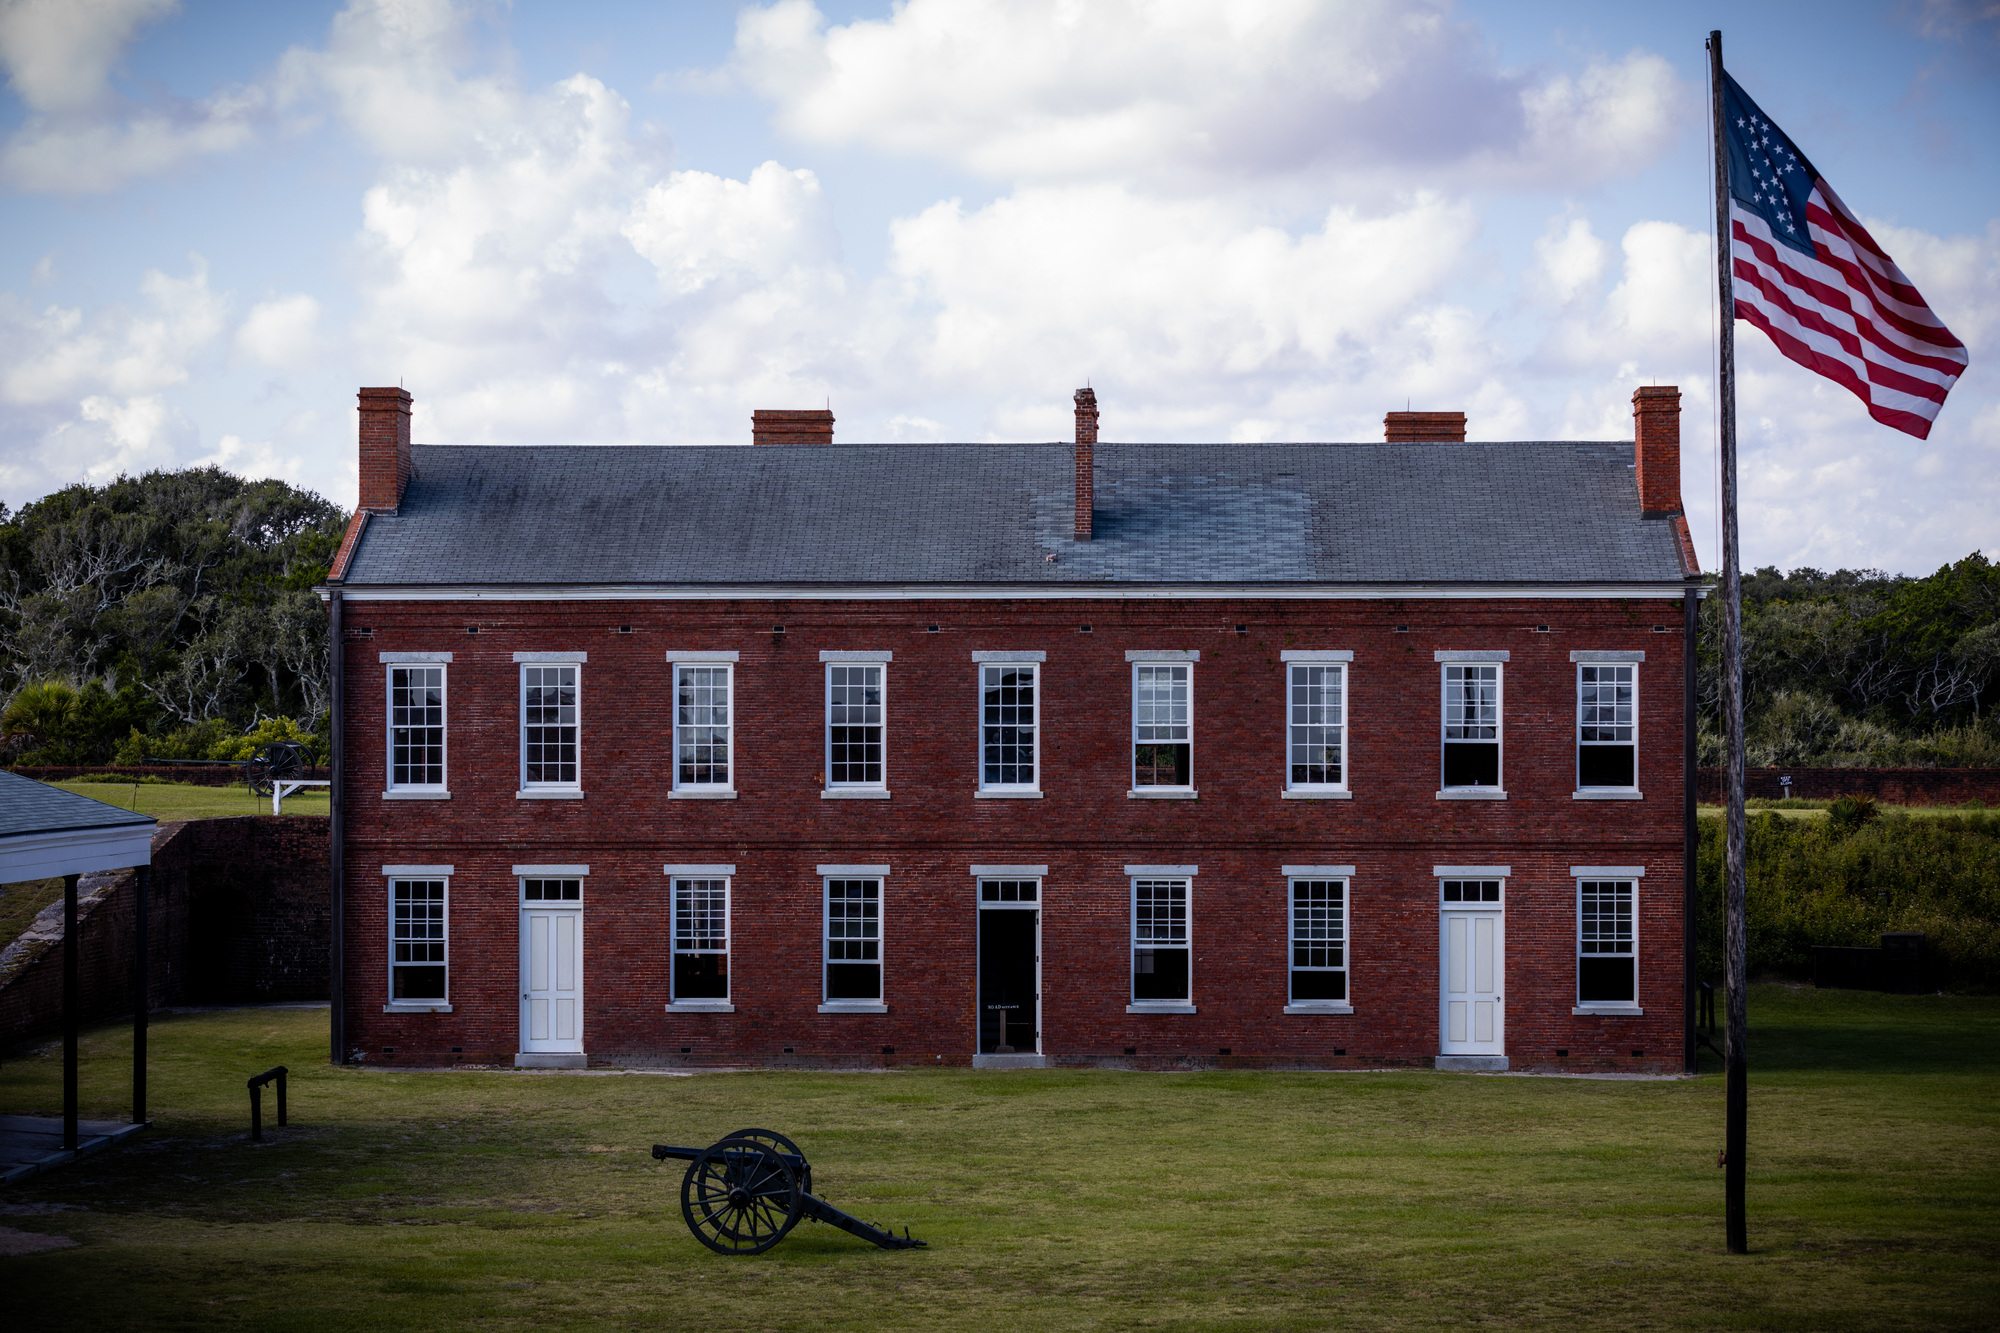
(552, 980)
(1474, 949)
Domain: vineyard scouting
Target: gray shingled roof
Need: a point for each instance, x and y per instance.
(27, 806)
(1534, 512)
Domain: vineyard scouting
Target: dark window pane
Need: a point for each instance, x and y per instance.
(1605, 766)
(1160, 765)
(419, 983)
(1471, 764)
(1159, 974)
(1606, 980)
(1319, 985)
(853, 981)
(701, 976)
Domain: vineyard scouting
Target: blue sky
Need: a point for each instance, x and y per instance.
(634, 223)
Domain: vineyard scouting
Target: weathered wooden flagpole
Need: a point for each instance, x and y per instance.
(1736, 1093)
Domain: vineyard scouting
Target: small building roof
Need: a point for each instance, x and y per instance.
(46, 831)
(1533, 512)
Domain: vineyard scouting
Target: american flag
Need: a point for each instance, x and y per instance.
(1809, 274)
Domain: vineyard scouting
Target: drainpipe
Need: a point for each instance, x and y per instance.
(337, 810)
(1690, 829)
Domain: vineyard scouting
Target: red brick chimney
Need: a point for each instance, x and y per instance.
(385, 448)
(1656, 449)
(1086, 467)
(1423, 427)
(786, 427)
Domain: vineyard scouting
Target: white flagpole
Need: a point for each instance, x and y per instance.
(1736, 1091)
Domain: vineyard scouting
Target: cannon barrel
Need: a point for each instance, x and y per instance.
(772, 1176)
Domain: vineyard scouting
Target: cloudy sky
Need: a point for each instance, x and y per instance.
(1262, 220)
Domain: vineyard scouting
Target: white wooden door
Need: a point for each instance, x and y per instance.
(552, 979)
(1473, 950)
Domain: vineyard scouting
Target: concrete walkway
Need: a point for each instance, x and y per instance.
(31, 1144)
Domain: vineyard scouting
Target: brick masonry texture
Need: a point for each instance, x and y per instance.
(238, 915)
(1239, 832)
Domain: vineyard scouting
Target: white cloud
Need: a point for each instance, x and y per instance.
(282, 333)
(1568, 262)
(1192, 93)
(58, 53)
(80, 137)
(85, 393)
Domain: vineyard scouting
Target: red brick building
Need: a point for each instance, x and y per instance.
(1290, 755)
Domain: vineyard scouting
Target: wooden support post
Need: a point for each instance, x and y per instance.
(72, 1009)
(1736, 1095)
(141, 993)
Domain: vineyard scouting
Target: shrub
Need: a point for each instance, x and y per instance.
(1849, 813)
(1810, 882)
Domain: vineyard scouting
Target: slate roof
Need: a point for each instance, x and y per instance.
(27, 806)
(954, 514)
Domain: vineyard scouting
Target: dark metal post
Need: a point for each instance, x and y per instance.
(256, 1111)
(1736, 1095)
(141, 996)
(337, 820)
(72, 1003)
(1690, 825)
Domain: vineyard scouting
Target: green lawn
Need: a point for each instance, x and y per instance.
(496, 1199)
(186, 801)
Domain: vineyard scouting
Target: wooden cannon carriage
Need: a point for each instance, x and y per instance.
(743, 1193)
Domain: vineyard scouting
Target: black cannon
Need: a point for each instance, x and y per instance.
(743, 1193)
(275, 761)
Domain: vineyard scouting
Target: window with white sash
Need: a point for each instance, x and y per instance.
(704, 723)
(1607, 726)
(1316, 724)
(856, 715)
(1607, 941)
(1009, 731)
(1319, 939)
(1162, 725)
(701, 937)
(419, 942)
(416, 727)
(1161, 939)
(1471, 726)
(551, 709)
(853, 938)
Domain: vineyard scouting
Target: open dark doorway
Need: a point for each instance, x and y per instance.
(1009, 1015)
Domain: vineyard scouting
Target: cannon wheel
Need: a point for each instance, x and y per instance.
(771, 1138)
(739, 1197)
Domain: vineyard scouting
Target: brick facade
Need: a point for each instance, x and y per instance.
(1086, 829)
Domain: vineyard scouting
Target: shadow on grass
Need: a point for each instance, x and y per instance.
(1796, 1028)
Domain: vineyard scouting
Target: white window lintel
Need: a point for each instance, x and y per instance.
(560, 658)
(1607, 872)
(1163, 654)
(698, 870)
(1598, 655)
(1003, 655)
(416, 872)
(536, 872)
(1468, 655)
(862, 655)
(425, 658)
(841, 872)
(1472, 872)
(691, 657)
(1319, 872)
(1143, 872)
(1316, 655)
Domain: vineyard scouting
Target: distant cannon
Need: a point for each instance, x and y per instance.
(274, 772)
(743, 1193)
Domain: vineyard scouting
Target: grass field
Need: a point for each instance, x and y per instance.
(186, 801)
(1052, 1200)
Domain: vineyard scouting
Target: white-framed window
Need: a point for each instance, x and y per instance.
(551, 718)
(856, 722)
(416, 715)
(704, 726)
(1318, 934)
(419, 936)
(1009, 726)
(1607, 721)
(545, 889)
(1474, 892)
(1162, 720)
(701, 937)
(1607, 936)
(1471, 720)
(1316, 720)
(1162, 936)
(852, 936)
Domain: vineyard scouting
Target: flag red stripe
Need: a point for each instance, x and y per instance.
(1915, 344)
(1918, 329)
(1908, 422)
(1779, 280)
